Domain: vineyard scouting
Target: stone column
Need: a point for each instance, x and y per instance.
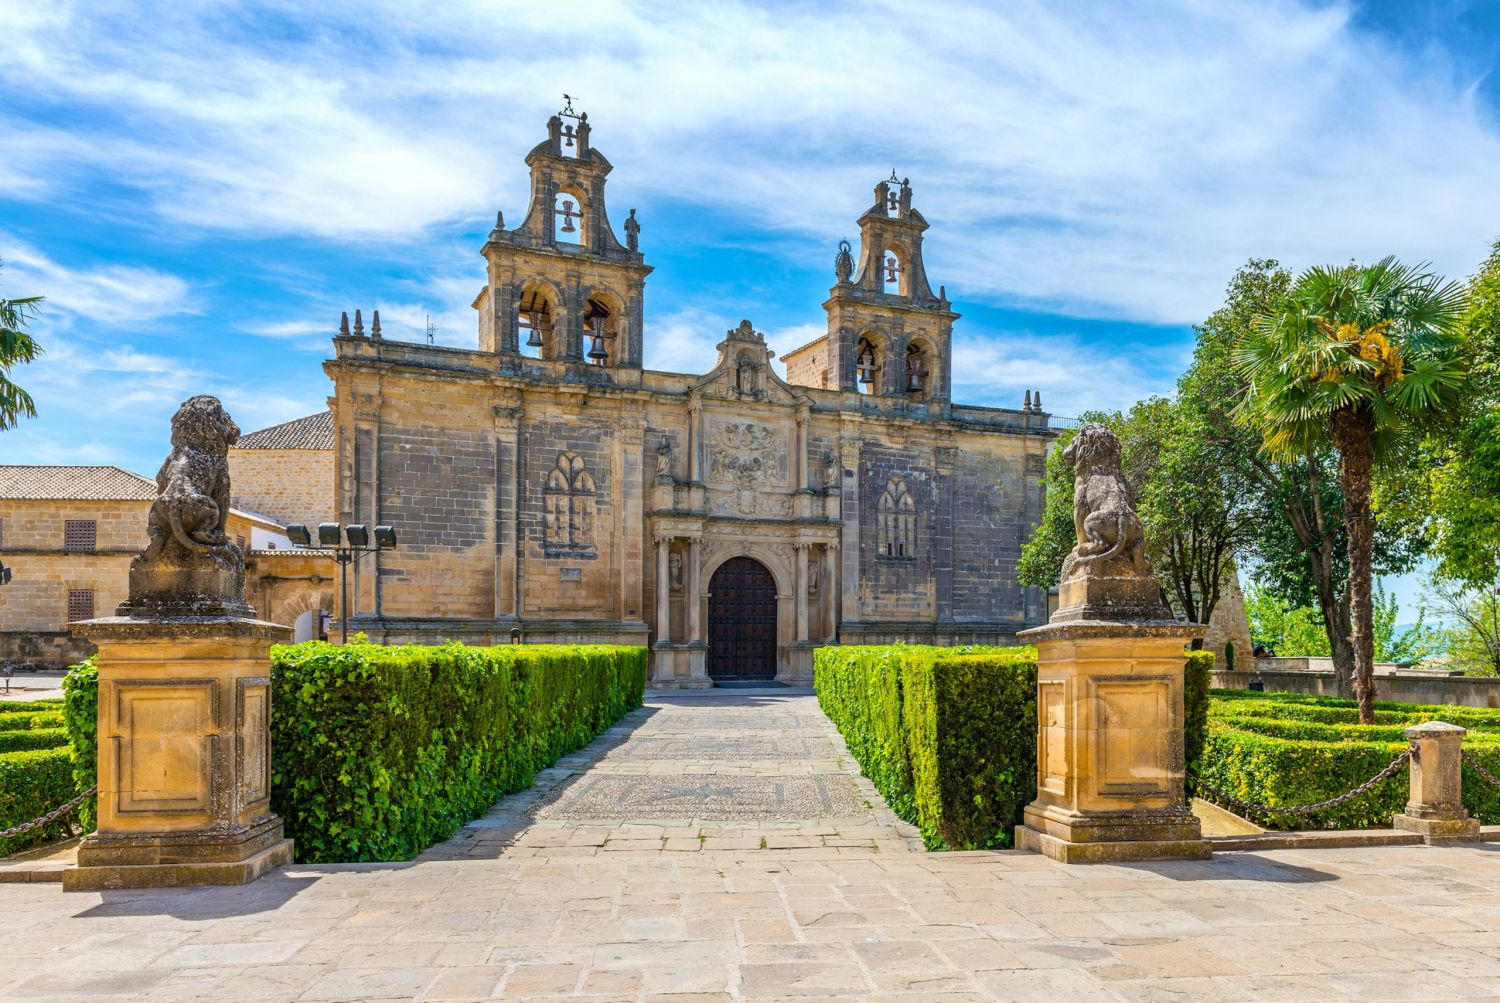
(801, 597)
(695, 591)
(1435, 809)
(663, 591)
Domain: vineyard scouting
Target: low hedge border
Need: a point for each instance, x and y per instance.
(33, 738)
(24, 722)
(33, 783)
(948, 735)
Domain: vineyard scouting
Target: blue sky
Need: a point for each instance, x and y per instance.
(199, 188)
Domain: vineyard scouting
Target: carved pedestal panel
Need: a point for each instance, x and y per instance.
(1110, 768)
(184, 754)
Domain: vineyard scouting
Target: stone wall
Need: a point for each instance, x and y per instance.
(1228, 624)
(35, 603)
(1407, 687)
(808, 366)
(289, 485)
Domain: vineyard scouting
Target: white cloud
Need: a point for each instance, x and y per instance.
(1113, 159)
(119, 295)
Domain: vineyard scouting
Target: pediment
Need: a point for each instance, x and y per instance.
(744, 372)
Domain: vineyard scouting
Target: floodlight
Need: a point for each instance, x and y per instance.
(299, 535)
(328, 534)
(385, 537)
(358, 535)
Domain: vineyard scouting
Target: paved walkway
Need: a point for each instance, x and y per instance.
(845, 910)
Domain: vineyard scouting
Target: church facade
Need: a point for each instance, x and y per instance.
(733, 520)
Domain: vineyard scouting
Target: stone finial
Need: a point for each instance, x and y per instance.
(499, 219)
(1036, 400)
(359, 325)
(843, 262)
(1107, 576)
(375, 324)
(1026, 405)
(344, 324)
(190, 566)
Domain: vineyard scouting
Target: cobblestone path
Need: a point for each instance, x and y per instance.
(597, 886)
(710, 770)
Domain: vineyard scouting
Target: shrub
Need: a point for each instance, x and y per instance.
(22, 722)
(1291, 749)
(379, 752)
(971, 733)
(81, 718)
(32, 738)
(948, 735)
(29, 706)
(32, 783)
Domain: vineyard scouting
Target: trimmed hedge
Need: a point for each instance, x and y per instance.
(948, 735)
(1289, 749)
(32, 783)
(24, 722)
(33, 738)
(9, 707)
(379, 752)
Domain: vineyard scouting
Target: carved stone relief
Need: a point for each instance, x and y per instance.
(747, 461)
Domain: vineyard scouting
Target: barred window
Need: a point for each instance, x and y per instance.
(80, 604)
(80, 534)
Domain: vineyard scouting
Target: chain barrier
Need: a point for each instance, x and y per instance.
(1305, 809)
(1473, 761)
(51, 816)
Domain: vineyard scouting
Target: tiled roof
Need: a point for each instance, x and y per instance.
(74, 483)
(810, 344)
(313, 432)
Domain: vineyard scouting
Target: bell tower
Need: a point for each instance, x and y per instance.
(561, 286)
(888, 334)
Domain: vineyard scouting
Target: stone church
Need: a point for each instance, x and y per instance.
(734, 521)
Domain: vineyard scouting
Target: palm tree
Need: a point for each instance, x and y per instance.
(1360, 357)
(16, 346)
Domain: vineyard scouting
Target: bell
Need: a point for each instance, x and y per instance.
(534, 339)
(567, 215)
(891, 265)
(914, 380)
(596, 350)
(892, 203)
(568, 133)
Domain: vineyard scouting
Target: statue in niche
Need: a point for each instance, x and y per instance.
(664, 458)
(830, 469)
(674, 569)
(744, 375)
(190, 566)
(814, 567)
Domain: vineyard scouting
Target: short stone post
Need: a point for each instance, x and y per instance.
(1110, 689)
(184, 692)
(1435, 809)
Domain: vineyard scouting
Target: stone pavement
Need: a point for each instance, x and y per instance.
(831, 908)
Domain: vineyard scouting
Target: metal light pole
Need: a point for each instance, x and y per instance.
(349, 544)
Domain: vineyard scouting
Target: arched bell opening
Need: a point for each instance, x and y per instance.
(916, 374)
(868, 363)
(568, 219)
(893, 272)
(536, 322)
(603, 316)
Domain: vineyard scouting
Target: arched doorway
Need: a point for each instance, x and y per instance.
(742, 622)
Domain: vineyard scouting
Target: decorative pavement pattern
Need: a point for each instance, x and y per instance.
(682, 909)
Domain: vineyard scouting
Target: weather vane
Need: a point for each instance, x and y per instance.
(570, 113)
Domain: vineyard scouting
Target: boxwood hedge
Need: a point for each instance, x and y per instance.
(32, 783)
(948, 735)
(378, 752)
(1289, 749)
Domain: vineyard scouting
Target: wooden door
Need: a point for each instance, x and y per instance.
(742, 621)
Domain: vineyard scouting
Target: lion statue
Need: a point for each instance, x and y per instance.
(192, 503)
(1103, 518)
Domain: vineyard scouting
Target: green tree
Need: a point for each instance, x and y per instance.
(1462, 481)
(16, 347)
(1358, 355)
(1472, 624)
(1289, 631)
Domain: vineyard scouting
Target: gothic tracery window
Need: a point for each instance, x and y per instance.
(568, 509)
(896, 516)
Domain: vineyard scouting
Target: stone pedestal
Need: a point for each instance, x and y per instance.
(679, 665)
(1110, 768)
(1435, 809)
(184, 754)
